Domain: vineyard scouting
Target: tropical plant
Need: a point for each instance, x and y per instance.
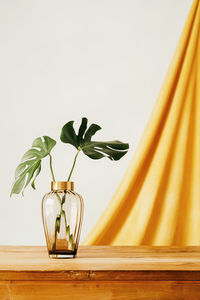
(29, 168)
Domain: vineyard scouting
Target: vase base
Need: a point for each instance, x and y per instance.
(62, 254)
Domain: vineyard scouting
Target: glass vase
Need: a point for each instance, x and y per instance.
(62, 213)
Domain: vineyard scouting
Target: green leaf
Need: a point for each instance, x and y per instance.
(68, 134)
(90, 132)
(114, 150)
(82, 130)
(30, 165)
(36, 174)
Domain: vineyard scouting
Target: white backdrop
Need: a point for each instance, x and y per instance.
(61, 60)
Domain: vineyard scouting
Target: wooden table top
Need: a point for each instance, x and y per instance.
(102, 262)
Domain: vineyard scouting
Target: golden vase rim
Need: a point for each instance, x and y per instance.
(62, 185)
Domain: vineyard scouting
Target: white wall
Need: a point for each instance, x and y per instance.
(61, 60)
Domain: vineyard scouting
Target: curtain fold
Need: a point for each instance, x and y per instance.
(158, 199)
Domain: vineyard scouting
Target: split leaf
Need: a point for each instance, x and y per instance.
(30, 165)
(114, 150)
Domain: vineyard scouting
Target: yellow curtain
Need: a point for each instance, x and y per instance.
(158, 199)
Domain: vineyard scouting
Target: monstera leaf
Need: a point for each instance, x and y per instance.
(95, 150)
(30, 165)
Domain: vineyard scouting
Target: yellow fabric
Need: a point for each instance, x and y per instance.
(158, 200)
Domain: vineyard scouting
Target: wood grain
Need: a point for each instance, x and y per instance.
(100, 290)
(100, 272)
(102, 258)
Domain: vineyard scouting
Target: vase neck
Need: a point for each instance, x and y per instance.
(62, 185)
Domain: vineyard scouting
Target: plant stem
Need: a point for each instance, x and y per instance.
(51, 168)
(58, 224)
(70, 174)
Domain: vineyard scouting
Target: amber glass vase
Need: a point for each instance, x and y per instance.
(62, 213)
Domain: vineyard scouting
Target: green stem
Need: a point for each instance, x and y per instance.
(58, 223)
(70, 174)
(51, 168)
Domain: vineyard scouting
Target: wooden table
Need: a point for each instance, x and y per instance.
(101, 272)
